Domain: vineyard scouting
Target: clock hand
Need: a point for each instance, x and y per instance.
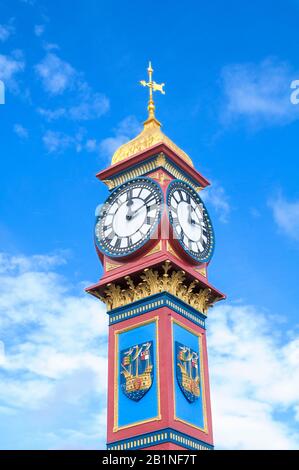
(132, 214)
(144, 204)
(190, 218)
(129, 204)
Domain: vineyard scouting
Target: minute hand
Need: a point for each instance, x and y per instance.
(144, 204)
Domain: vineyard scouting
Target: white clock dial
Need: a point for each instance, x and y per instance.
(129, 217)
(191, 223)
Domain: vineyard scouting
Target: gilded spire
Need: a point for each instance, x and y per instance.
(151, 134)
(153, 86)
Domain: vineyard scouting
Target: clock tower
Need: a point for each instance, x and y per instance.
(154, 238)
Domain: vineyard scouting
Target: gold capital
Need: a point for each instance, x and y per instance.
(153, 86)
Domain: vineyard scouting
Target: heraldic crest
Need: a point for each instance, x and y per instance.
(136, 375)
(187, 371)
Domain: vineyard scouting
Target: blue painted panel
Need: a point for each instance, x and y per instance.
(130, 411)
(185, 410)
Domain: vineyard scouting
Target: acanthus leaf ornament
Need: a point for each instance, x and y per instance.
(153, 282)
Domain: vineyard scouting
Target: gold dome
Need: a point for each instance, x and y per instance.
(150, 135)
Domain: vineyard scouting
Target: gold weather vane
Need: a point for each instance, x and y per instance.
(153, 86)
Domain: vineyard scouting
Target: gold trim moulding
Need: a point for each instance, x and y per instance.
(142, 169)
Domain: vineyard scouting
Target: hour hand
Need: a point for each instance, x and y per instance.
(191, 220)
(130, 213)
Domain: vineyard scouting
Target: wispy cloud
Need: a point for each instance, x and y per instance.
(39, 29)
(57, 77)
(216, 196)
(286, 215)
(255, 379)
(10, 67)
(52, 115)
(258, 94)
(28, 2)
(57, 142)
(21, 131)
(6, 30)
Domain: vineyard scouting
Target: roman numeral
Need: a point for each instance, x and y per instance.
(150, 220)
(151, 207)
(117, 244)
(111, 235)
(177, 200)
(107, 227)
(181, 195)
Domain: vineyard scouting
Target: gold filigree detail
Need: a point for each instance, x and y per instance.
(153, 282)
(109, 266)
(150, 135)
(172, 251)
(156, 248)
(160, 176)
(160, 160)
(202, 271)
(109, 183)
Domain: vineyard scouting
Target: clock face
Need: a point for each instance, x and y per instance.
(129, 217)
(190, 221)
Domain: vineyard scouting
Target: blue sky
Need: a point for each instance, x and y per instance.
(71, 72)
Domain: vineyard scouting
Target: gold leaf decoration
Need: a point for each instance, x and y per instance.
(153, 282)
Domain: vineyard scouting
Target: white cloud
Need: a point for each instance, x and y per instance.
(258, 94)
(21, 131)
(91, 145)
(255, 380)
(216, 196)
(59, 142)
(28, 2)
(10, 66)
(55, 364)
(6, 30)
(39, 29)
(128, 128)
(91, 106)
(51, 115)
(286, 215)
(58, 77)
(50, 46)
(21, 263)
(2, 353)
